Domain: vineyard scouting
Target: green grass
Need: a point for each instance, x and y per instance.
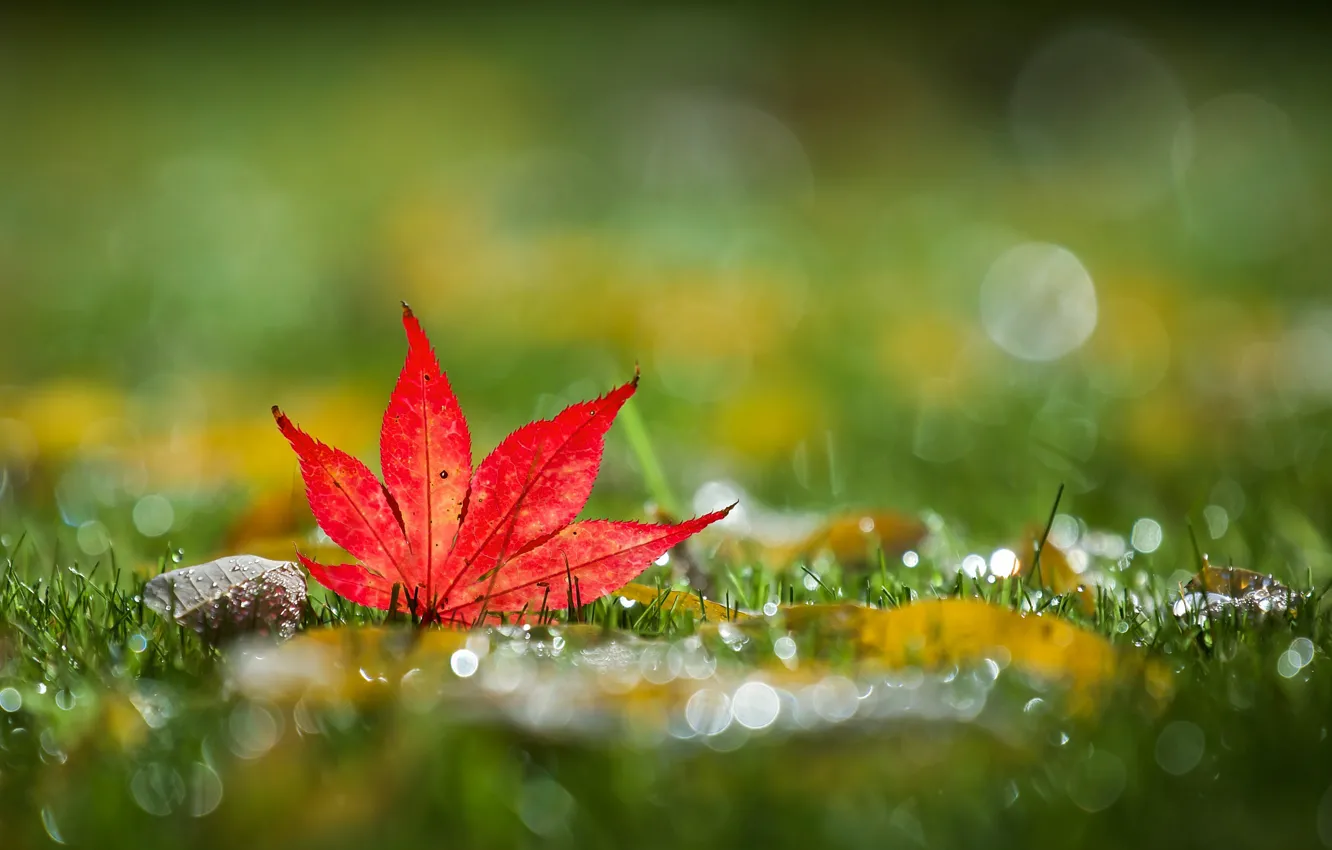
(80, 762)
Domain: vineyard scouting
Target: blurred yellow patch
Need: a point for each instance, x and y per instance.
(919, 350)
(246, 448)
(238, 444)
(700, 314)
(272, 513)
(768, 422)
(122, 722)
(1130, 352)
(440, 253)
(58, 417)
(573, 285)
(1161, 428)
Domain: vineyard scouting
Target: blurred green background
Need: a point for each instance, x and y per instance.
(927, 261)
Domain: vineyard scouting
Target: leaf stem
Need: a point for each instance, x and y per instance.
(635, 430)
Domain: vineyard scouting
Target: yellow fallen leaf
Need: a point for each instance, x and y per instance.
(854, 537)
(368, 664)
(1250, 590)
(944, 632)
(337, 663)
(680, 601)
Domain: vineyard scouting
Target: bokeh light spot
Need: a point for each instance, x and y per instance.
(153, 515)
(1003, 563)
(464, 663)
(1038, 302)
(93, 538)
(1096, 110)
(1097, 782)
(755, 705)
(1180, 747)
(1147, 535)
(1242, 179)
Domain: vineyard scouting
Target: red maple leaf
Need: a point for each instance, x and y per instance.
(462, 543)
